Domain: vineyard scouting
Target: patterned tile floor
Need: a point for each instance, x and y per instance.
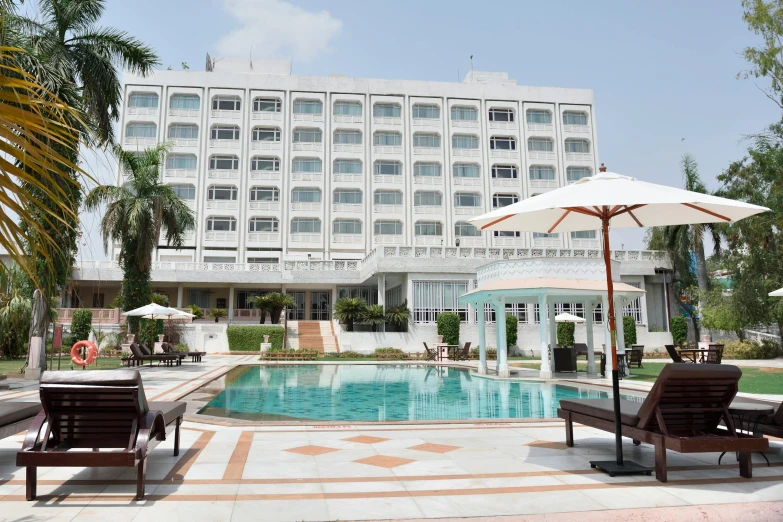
(394, 471)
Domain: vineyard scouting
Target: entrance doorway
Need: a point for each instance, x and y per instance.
(297, 313)
(319, 306)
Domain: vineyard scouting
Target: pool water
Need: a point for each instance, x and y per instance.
(383, 393)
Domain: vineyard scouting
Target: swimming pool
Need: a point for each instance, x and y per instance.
(382, 393)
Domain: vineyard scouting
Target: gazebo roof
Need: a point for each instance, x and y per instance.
(532, 287)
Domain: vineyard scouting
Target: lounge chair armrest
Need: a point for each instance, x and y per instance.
(34, 432)
(153, 420)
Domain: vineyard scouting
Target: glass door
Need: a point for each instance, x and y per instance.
(319, 306)
(297, 313)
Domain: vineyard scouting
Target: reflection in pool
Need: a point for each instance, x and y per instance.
(382, 393)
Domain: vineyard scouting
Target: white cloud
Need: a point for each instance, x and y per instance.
(277, 29)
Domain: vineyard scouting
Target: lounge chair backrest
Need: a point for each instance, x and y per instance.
(136, 351)
(689, 399)
(778, 418)
(144, 349)
(95, 409)
(166, 347)
(673, 353)
(581, 348)
(715, 354)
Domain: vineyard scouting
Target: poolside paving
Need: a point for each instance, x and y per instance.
(385, 471)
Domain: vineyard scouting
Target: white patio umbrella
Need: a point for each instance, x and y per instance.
(568, 318)
(609, 200)
(156, 311)
(777, 293)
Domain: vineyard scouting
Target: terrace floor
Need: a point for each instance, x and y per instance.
(384, 471)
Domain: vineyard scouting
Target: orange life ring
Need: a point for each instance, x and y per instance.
(92, 353)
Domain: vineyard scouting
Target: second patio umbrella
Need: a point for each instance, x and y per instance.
(609, 200)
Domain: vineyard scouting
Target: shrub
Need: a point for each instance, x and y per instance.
(512, 325)
(147, 332)
(492, 353)
(196, 310)
(565, 334)
(350, 354)
(747, 349)
(160, 299)
(249, 338)
(678, 327)
(217, 313)
(349, 310)
(182, 347)
(396, 353)
(770, 349)
(81, 325)
(448, 327)
(629, 330)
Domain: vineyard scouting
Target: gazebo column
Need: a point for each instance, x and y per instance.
(546, 368)
(500, 324)
(552, 333)
(591, 370)
(482, 367)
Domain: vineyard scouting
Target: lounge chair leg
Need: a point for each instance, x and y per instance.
(745, 465)
(176, 436)
(31, 482)
(141, 471)
(637, 442)
(660, 459)
(569, 426)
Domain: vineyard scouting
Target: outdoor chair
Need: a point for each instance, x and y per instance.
(565, 359)
(141, 353)
(714, 354)
(635, 355)
(682, 412)
(676, 357)
(194, 355)
(462, 354)
(769, 425)
(16, 416)
(93, 411)
(430, 355)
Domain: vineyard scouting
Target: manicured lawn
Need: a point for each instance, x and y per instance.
(14, 366)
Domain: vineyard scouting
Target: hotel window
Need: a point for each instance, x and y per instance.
(185, 132)
(544, 172)
(539, 116)
(576, 173)
(388, 228)
(141, 130)
(222, 193)
(267, 105)
(467, 199)
(224, 132)
(428, 228)
(539, 145)
(466, 170)
(427, 198)
(582, 146)
(431, 298)
(502, 143)
(265, 164)
(143, 99)
(503, 200)
(504, 172)
(306, 226)
(501, 115)
(463, 141)
(181, 161)
(185, 101)
(266, 134)
(344, 108)
(226, 103)
(186, 192)
(263, 225)
(306, 195)
(348, 137)
(426, 111)
(386, 110)
(574, 118)
(264, 194)
(422, 139)
(223, 163)
(584, 234)
(634, 309)
(388, 139)
(388, 197)
(347, 196)
(464, 113)
(387, 168)
(308, 107)
(221, 224)
(506, 233)
(306, 165)
(307, 136)
(465, 229)
(346, 226)
(430, 170)
(347, 166)
(541, 235)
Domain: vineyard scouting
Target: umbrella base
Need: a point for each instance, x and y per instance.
(626, 468)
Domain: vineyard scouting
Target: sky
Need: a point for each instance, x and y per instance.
(663, 72)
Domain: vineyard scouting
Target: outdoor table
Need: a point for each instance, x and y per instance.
(696, 354)
(443, 350)
(750, 411)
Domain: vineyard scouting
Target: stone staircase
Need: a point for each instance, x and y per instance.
(311, 335)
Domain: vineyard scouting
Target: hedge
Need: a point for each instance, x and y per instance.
(512, 326)
(565, 334)
(249, 338)
(678, 327)
(629, 330)
(448, 327)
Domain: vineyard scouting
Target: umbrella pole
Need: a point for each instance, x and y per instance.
(618, 467)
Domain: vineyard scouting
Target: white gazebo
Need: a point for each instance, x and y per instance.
(545, 282)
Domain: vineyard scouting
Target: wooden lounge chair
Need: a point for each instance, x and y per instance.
(16, 416)
(635, 355)
(682, 412)
(714, 354)
(141, 353)
(169, 349)
(97, 410)
(676, 357)
(430, 355)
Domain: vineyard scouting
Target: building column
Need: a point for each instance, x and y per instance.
(546, 368)
(607, 333)
(230, 303)
(618, 321)
(180, 293)
(382, 289)
(500, 326)
(552, 333)
(591, 370)
(482, 367)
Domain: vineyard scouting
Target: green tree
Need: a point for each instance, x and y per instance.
(15, 313)
(348, 310)
(274, 303)
(448, 327)
(136, 214)
(512, 330)
(629, 330)
(375, 316)
(722, 312)
(765, 19)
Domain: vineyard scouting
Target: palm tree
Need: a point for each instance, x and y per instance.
(136, 214)
(375, 316)
(347, 310)
(274, 303)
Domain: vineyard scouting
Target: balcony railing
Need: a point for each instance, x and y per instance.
(308, 147)
(541, 155)
(266, 145)
(308, 117)
(231, 115)
(305, 238)
(347, 178)
(184, 113)
(466, 153)
(143, 111)
(339, 118)
(223, 144)
(222, 204)
(387, 178)
(347, 147)
(426, 122)
(99, 315)
(548, 242)
(307, 176)
(508, 241)
(576, 129)
(348, 239)
(220, 236)
(579, 156)
(387, 209)
(471, 241)
(465, 124)
(223, 174)
(468, 211)
(428, 209)
(540, 127)
(265, 175)
(505, 182)
(269, 206)
(429, 240)
(585, 243)
(179, 173)
(352, 208)
(263, 237)
(387, 149)
(267, 116)
(428, 180)
(468, 182)
(543, 183)
(140, 142)
(504, 154)
(184, 142)
(426, 151)
(503, 125)
(306, 206)
(388, 239)
(386, 120)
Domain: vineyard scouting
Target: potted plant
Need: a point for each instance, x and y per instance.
(274, 303)
(217, 313)
(347, 310)
(399, 316)
(375, 316)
